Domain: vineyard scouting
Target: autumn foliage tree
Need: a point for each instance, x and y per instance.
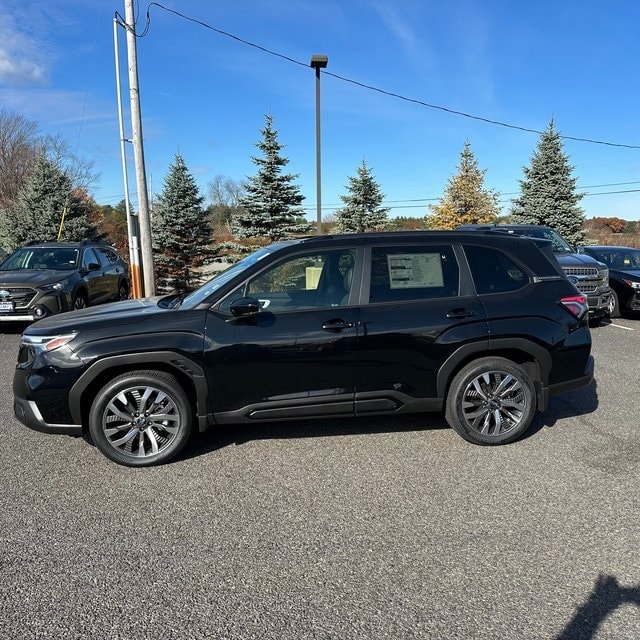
(466, 200)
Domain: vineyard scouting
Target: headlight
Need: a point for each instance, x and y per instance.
(632, 284)
(604, 274)
(47, 343)
(55, 286)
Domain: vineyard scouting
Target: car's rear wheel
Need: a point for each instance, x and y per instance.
(123, 291)
(141, 418)
(491, 401)
(614, 305)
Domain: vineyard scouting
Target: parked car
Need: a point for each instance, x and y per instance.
(624, 276)
(46, 278)
(590, 276)
(482, 326)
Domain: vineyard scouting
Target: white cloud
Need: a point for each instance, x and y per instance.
(21, 59)
(18, 71)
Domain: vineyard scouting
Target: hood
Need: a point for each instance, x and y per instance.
(625, 273)
(32, 278)
(113, 314)
(578, 260)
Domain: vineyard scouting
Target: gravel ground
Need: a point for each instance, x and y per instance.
(355, 529)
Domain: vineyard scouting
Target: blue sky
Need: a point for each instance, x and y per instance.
(205, 95)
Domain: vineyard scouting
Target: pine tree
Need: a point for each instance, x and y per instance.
(181, 230)
(466, 200)
(362, 209)
(48, 208)
(548, 190)
(270, 206)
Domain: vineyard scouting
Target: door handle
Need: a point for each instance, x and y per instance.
(460, 313)
(337, 325)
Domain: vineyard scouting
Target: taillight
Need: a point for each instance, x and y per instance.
(577, 305)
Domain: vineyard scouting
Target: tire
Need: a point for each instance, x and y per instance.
(614, 305)
(79, 301)
(123, 291)
(141, 418)
(491, 401)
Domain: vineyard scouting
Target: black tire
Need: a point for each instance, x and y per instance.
(79, 301)
(123, 291)
(491, 401)
(141, 418)
(614, 305)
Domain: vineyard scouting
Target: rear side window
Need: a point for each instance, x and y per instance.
(413, 273)
(107, 257)
(494, 271)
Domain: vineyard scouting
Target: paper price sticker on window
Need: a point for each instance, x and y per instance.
(412, 270)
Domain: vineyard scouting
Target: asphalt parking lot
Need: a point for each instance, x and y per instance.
(362, 529)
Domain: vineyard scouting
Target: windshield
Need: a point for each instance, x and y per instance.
(620, 258)
(220, 279)
(42, 258)
(559, 244)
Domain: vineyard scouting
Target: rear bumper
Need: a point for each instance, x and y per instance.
(27, 412)
(570, 385)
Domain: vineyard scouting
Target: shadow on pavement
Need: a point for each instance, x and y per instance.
(577, 403)
(606, 596)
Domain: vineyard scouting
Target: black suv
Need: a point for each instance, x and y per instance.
(45, 278)
(482, 326)
(590, 276)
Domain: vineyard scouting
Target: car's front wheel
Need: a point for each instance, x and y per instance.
(141, 418)
(491, 401)
(79, 301)
(614, 305)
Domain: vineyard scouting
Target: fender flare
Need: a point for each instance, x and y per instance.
(176, 361)
(483, 349)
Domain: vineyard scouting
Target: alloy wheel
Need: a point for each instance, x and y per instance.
(494, 403)
(141, 421)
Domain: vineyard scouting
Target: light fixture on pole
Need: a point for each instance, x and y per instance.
(318, 62)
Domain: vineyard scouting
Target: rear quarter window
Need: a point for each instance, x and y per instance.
(493, 271)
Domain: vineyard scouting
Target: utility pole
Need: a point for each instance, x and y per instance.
(133, 232)
(144, 218)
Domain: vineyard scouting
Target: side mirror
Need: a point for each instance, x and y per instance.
(244, 307)
(580, 248)
(93, 266)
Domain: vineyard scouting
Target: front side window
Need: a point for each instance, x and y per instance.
(413, 273)
(493, 271)
(89, 257)
(308, 281)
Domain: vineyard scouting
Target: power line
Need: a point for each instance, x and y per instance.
(368, 86)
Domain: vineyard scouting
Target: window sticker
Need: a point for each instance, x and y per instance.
(413, 270)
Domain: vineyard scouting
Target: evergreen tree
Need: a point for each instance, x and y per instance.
(270, 206)
(362, 209)
(48, 208)
(181, 230)
(466, 200)
(548, 191)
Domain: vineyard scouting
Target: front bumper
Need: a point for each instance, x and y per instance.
(634, 302)
(27, 412)
(39, 307)
(599, 304)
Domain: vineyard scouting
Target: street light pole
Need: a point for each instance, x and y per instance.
(318, 62)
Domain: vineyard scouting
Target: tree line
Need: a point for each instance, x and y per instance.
(45, 194)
